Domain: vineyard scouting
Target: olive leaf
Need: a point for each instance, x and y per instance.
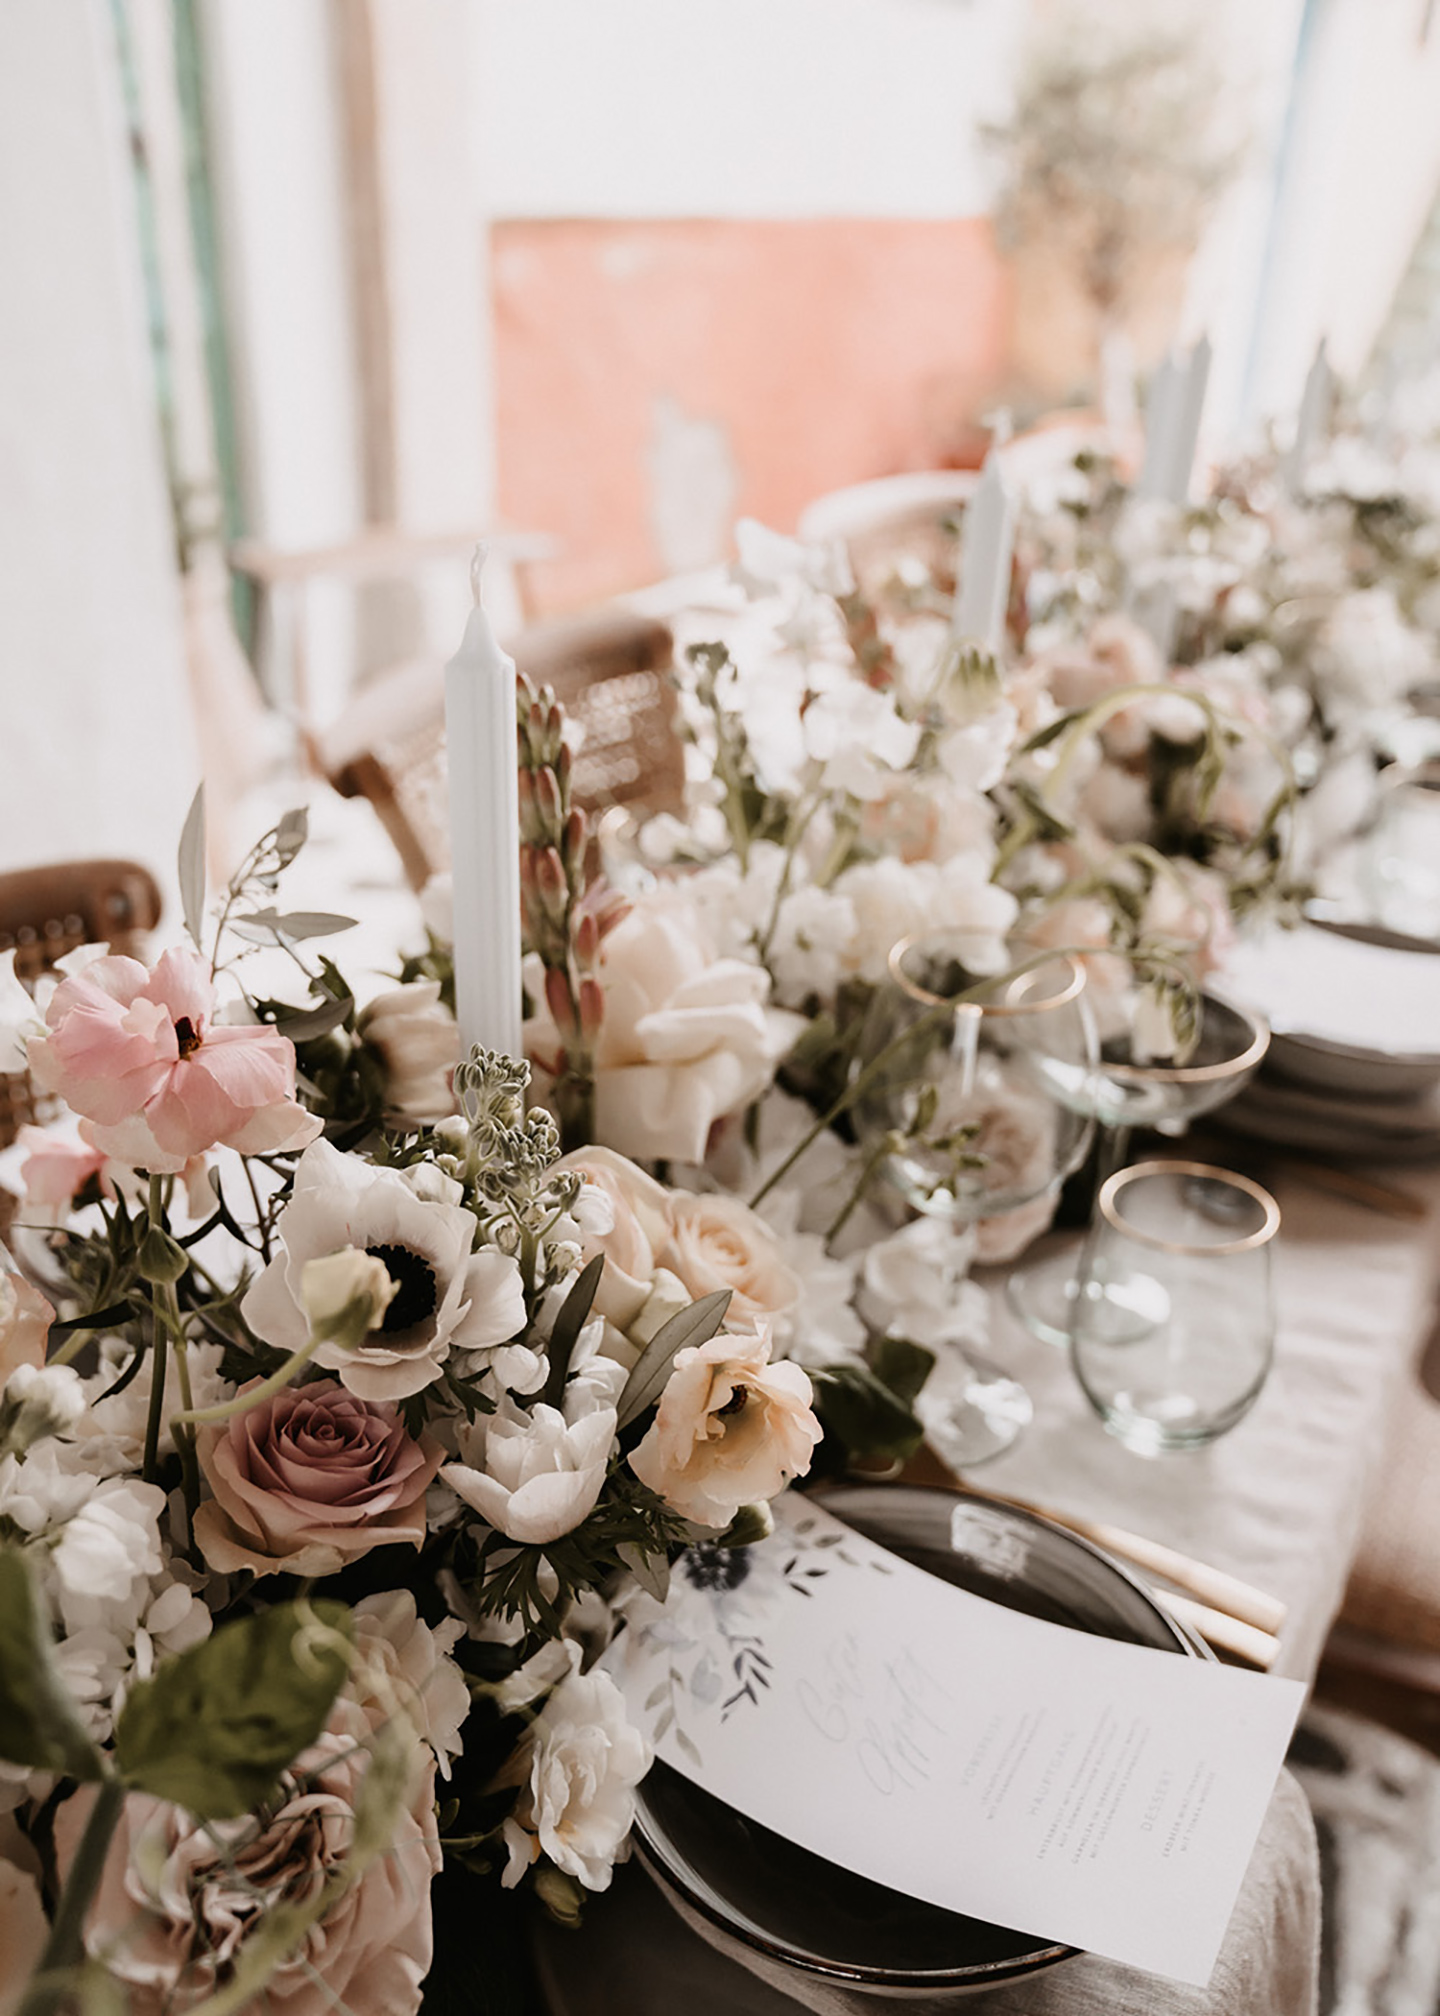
(695, 1325)
(567, 1327)
(190, 868)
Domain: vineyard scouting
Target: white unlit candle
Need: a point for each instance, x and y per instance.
(988, 542)
(1312, 420)
(1163, 407)
(1187, 434)
(484, 833)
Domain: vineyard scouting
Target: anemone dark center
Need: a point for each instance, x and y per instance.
(416, 1293)
(735, 1404)
(187, 1036)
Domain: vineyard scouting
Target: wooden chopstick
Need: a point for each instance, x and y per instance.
(1227, 1634)
(1211, 1589)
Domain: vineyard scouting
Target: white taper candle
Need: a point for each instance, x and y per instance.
(988, 540)
(484, 833)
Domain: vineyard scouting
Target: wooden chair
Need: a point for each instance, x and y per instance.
(610, 673)
(47, 912)
(894, 519)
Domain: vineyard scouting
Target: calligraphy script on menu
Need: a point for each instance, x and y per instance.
(1095, 1794)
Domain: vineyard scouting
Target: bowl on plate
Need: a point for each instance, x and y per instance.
(834, 1942)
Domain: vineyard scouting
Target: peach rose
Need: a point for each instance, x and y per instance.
(310, 1479)
(719, 1242)
(731, 1429)
(25, 1319)
(633, 1243)
(180, 1897)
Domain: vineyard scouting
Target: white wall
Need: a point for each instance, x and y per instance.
(95, 737)
(739, 108)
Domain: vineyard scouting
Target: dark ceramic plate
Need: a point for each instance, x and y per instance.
(767, 1901)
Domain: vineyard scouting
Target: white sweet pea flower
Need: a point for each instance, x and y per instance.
(915, 1285)
(111, 1538)
(543, 1473)
(447, 1296)
(39, 1401)
(577, 1769)
(974, 755)
(769, 561)
(856, 736)
(896, 899)
(411, 1662)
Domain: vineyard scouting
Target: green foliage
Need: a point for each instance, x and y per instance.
(693, 1326)
(216, 1727)
(39, 1725)
(866, 1418)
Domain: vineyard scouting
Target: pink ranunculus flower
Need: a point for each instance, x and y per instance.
(310, 1479)
(58, 1167)
(139, 1054)
(731, 1428)
(180, 1898)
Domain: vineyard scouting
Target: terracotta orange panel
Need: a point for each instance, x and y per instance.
(658, 378)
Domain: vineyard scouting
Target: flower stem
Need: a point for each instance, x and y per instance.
(242, 1403)
(50, 1990)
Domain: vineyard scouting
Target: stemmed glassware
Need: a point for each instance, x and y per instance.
(956, 1095)
(1173, 1324)
(1122, 1094)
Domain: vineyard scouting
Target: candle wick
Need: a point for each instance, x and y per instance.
(477, 568)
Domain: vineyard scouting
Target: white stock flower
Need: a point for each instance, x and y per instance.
(110, 1539)
(1368, 654)
(577, 1768)
(771, 560)
(39, 1401)
(543, 1470)
(973, 756)
(448, 1297)
(418, 1042)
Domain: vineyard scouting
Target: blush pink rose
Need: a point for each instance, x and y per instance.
(310, 1479)
(719, 1242)
(731, 1429)
(179, 1898)
(140, 1056)
(641, 1227)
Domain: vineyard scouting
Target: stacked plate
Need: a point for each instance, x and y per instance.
(1354, 1062)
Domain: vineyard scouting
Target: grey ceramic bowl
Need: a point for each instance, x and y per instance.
(834, 1942)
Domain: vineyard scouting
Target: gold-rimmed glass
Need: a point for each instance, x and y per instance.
(953, 1101)
(1122, 1093)
(1172, 1328)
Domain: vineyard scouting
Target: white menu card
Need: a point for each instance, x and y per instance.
(1095, 1794)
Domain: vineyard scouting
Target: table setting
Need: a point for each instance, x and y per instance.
(454, 1432)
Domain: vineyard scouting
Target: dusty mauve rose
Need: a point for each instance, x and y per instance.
(632, 1245)
(731, 1429)
(179, 1897)
(140, 1055)
(309, 1479)
(719, 1242)
(25, 1319)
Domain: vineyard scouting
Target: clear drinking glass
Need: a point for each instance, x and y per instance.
(1122, 1095)
(952, 1092)
(1173, 1322)
(1399, 867)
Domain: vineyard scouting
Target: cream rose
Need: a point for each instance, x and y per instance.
(577, 1769)
(687, 1037)
(632, 1246)
(418, 1042)
(719, 1242)
(179, 1898)
(309, 1479)
(731, 1429)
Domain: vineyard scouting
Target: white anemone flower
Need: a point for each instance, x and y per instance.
(446, 1297)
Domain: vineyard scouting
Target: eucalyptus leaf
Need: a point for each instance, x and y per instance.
(215, 1727)
(864, 1415)
(291, 834)
(267, 927)
(309, 1023)
(695, 1325)
(39, 1725)
(191, 866)
(568, 1325)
